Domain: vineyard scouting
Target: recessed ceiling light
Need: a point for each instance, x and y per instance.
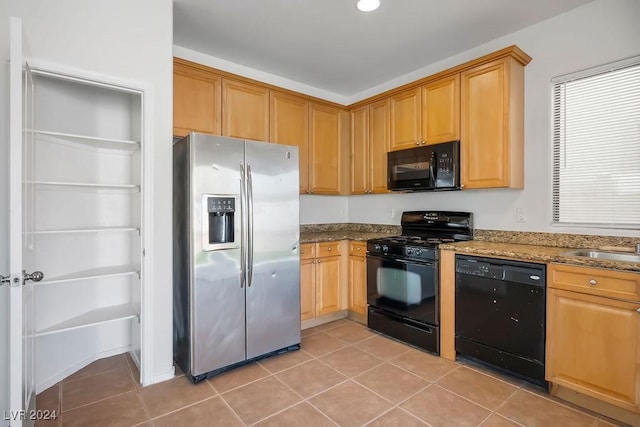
(368, 5)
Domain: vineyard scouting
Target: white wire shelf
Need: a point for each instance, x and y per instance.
(128, 187)
(92, 318)
(85, 230)
(95, 273)
(92, 141)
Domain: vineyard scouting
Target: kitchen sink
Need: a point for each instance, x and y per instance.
(609, 255)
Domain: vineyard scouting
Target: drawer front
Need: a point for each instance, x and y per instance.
(307, 250)
(357, 248)
(595, 281)
(327, 249)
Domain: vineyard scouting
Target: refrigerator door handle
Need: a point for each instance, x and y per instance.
(250, 223)
(243, 229)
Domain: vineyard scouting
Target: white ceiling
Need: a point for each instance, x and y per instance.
(330, 45)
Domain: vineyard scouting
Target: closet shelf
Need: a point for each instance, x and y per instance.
(95, 273)
(129, 187)
(92, 141)
(92, 318)
(85, 230)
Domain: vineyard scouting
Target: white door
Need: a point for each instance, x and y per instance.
(21, 313)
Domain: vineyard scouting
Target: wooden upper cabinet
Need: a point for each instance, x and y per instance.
(360, 150)
(329, 130)
(441, 110)
(197, 104)
(406, 110)
(492, 125)
(379, 125)
(369, 148)
(245, 110)
(289, 124)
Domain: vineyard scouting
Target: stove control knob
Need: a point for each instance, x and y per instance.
(419, 252)
(376, 248)
(385, 248)
(409, 251)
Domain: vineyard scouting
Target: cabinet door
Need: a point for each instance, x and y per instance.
(307, 289)
(406, 110)
(491, 138)
(326, 175)
(196, 100)
(593, 346)
(327, 285)
(379, 118)
(441, 110)
(358, 284)
(360, 150)
(289, 124)
(245, 110)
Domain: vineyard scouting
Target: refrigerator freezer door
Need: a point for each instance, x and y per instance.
(273, 293)
(218, 300)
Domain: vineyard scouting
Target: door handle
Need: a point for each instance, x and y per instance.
(243, 231)
(36, 276)
(250, 222)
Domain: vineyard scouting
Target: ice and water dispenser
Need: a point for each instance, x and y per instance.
(218, 222)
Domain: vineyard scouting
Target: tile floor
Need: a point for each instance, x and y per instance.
(344, 375)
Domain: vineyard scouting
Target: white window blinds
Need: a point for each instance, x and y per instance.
(596, 146)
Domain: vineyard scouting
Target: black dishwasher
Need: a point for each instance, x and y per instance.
(500, 314)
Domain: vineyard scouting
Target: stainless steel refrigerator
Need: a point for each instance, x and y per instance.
(236, 272)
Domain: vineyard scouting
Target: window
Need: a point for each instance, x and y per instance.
(596, 146)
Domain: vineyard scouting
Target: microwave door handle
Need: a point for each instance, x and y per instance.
(432, 170)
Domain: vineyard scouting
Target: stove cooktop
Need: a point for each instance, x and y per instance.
(427, 242)
(422, 232)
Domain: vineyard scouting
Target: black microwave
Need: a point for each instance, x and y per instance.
(428, 167)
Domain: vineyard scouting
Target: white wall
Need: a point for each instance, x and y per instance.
(132, 41)
(597, 33)
(323, 209)
(4, 202)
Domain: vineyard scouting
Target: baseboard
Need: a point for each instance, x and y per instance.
(360, 318)
(321, 320)
(596, 405)
(79, 365)
(163, 376)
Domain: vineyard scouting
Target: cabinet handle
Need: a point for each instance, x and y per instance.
(318, 261)
(592, 282)
(417, 142)
(302, 252)
(424, 142)
(358, 248)
(638, 310)
(313, 261)
(329, 249)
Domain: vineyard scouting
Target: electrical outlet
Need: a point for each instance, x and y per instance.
(392, 213)
(521, 215)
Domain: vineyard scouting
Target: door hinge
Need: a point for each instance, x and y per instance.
(13, 281)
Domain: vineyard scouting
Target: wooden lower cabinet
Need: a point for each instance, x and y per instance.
(320, 279)
(327, 285)
(307, 289)
(593, 342)
(358, 277)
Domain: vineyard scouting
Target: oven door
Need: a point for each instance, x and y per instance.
(405, 288)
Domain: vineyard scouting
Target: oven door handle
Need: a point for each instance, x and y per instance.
(403, 261)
